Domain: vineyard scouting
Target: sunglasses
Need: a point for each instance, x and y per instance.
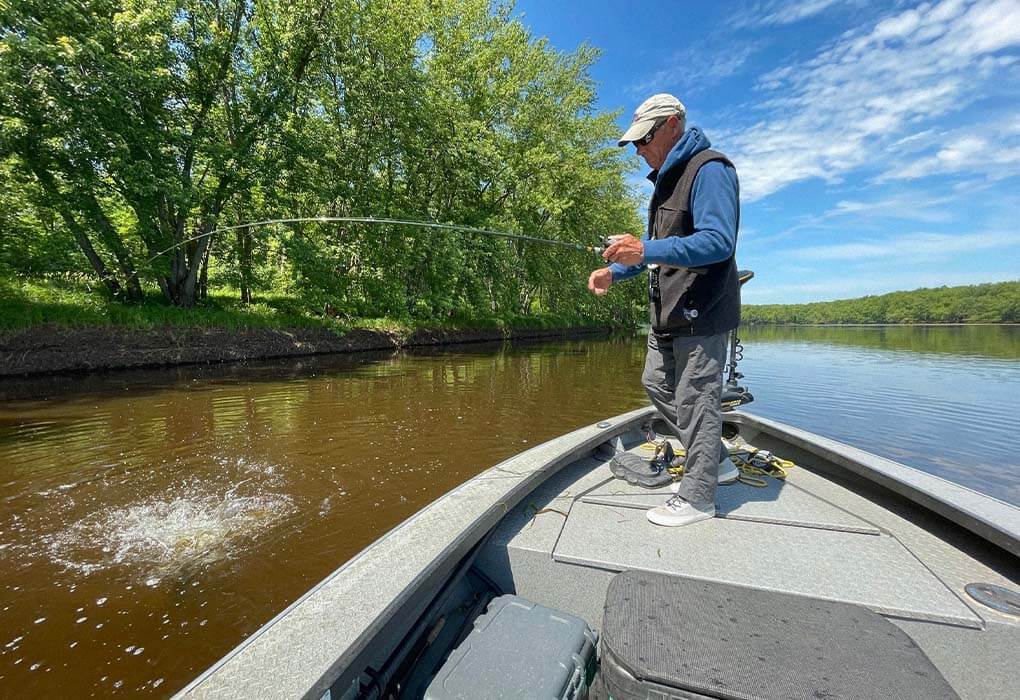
(647, 138)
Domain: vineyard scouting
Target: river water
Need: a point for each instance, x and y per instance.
(151, 520)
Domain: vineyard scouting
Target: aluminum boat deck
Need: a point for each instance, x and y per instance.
(818, 533)
(552, 525)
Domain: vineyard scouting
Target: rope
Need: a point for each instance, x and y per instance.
(752, 462)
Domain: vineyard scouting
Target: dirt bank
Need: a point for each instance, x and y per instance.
(49, 348)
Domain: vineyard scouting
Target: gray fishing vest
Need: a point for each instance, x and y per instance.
(690, 301)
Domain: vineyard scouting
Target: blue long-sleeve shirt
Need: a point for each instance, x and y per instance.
(715, 198)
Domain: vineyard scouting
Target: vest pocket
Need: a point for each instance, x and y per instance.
(668, 222)
(668, 309)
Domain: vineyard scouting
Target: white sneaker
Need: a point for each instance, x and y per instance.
(728, 473)
(676, 511)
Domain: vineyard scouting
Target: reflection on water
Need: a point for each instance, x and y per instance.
(941, 399)
(977, 341)
(153, 519)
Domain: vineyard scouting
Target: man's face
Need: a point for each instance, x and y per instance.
(662, 143)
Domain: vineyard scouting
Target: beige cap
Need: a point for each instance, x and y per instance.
(651, 110)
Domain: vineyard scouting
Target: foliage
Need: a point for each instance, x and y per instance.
(31, 241)
(982, 303)
(72, 300)
(129, 127)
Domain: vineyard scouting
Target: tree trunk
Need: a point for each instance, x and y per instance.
(244, 249)
(56, 200)
(116, 245)
(108, 278)
(203, 280)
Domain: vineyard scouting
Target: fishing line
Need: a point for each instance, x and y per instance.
(597, 249)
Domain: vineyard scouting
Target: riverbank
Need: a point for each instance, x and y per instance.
(52, 348)
(994, 303)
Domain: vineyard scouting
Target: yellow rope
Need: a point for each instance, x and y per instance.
(754, 462)
(751, 461)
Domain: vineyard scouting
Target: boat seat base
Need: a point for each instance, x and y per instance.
(672, 636)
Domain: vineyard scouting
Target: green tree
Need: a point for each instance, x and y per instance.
(156, 108)
(136, 128)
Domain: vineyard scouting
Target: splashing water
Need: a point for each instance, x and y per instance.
(188, 529)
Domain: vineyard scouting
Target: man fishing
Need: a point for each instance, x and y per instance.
(694, 294)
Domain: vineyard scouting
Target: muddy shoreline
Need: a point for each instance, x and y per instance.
(51, 349)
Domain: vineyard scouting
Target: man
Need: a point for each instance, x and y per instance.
(694, 293)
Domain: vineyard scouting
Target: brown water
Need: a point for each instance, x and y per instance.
(152, 520)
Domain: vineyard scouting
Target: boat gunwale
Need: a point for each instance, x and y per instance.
(575, 445)
(988, 517)
(521, 475)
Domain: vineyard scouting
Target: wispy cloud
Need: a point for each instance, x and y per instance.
(995, 153)
(909, 248)
(854, 217)
(777, 12)
(695, 69)
(876, 86)
(907, 205)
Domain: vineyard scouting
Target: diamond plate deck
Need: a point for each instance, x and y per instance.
(871, 570)
(778, 502)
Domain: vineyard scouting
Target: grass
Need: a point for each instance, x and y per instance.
(69, 302)
(72, 302)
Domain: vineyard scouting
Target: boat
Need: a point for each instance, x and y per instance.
(936, 560)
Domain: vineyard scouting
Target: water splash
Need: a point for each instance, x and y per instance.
(186, 529)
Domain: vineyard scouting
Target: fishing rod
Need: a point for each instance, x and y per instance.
(597, 249)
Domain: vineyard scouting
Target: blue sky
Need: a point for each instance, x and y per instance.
(877, 143)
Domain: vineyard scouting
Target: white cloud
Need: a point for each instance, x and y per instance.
(780, 13)
(875, 87)
(907, 205)
(997, 156)
(863, 215)
(907, 249)
(693, 70)
(992, 26)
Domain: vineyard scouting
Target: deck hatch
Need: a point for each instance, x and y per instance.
(995, 597)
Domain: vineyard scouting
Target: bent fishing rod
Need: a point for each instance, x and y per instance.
(597, 249)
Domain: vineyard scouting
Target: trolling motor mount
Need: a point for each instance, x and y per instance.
(734, 395)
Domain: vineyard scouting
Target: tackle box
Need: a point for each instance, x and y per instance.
(518, 649)
(668, 636)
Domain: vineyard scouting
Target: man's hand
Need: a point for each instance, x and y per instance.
(599, 281)
(625, 249)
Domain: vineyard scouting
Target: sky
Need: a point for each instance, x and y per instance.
(877, 143)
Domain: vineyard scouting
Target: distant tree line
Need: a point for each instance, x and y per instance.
(131, 126)
(982, 303)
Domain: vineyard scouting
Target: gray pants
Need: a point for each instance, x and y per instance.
(683, 378)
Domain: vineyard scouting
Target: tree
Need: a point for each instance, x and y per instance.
(140, 127)
(155, 107)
